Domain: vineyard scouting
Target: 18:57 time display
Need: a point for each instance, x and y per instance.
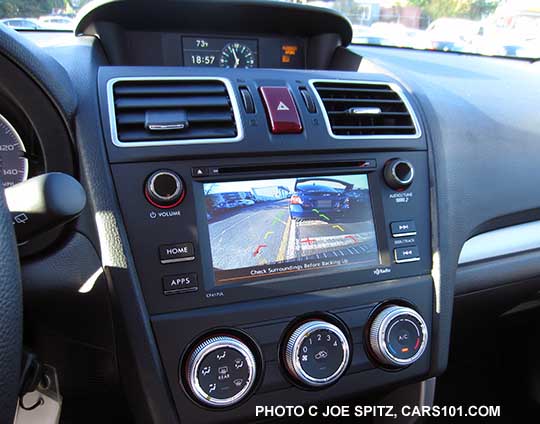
(201, 60)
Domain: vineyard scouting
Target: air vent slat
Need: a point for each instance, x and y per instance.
(373, 127)
(139, 118)
(359, 109)
(345, 113)
(170, 102)
(194, 133)
(355, 90)
(183, 109)
(355, 101)
(168, 90)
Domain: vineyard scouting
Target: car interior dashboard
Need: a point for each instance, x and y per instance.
(272, 214)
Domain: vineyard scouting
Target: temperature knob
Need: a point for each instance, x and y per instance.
(221, 371)
(398, 336)
(317, 353)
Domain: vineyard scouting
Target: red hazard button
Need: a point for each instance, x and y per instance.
(281, 110)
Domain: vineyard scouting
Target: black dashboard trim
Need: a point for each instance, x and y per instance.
(481, 133)
(143, 379)
(262, 16)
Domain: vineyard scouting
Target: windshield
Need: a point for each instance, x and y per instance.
(488, 27)
(40, 15)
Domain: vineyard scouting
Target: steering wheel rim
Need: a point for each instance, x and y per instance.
(10, 315)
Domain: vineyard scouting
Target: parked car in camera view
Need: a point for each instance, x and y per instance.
(315, 198)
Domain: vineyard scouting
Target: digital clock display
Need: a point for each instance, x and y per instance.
(222, 52)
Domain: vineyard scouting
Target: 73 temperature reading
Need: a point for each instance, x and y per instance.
(202, 44)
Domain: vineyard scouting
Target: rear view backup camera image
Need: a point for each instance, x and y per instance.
(261, 229)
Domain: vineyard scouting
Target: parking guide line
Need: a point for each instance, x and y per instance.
(291, 242)
(282, 251)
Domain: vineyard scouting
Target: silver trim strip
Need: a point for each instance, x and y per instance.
(364, 110)
(173, 261)
(393, 86)
(167, 127)
(412, 233)
(230, 91)
(404, 261)
(504, 241)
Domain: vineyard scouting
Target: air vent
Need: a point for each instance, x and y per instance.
(153, 111)
(359, 109)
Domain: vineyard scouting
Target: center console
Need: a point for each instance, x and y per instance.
(280, 226)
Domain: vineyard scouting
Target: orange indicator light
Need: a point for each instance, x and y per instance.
(289, 50)
(405, 349)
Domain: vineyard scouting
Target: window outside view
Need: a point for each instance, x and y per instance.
(488, 27)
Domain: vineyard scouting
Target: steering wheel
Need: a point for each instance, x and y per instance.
(10, 315)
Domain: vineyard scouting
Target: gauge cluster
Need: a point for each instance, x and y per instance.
(265, 52)
(21, 154)
(13, 159)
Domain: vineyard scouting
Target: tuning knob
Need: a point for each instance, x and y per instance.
(164, 189)
(398, 336)
(398, 174)
(221, 371)
(316, 353)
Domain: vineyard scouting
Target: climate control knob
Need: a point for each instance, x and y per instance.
(398, 174)
(221, 371)
(164, 189)
(398, 336)
(316, 353)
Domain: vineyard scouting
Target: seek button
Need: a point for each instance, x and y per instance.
(403, 228)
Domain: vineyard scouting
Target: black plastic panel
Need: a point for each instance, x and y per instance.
(265, 17)
(484, 138)
(265, 321)
(149, 228)
(257, 137)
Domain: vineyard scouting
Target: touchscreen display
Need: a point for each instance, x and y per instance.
(269, 228)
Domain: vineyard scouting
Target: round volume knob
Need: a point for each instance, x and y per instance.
(164, 189)
(398, 174)
(221, 371)
(317, 353)
(398, 336)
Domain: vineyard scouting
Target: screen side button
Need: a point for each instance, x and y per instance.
(406, 254)
(179, 252)
(403, 228)
(199, 171)
(182, 283)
